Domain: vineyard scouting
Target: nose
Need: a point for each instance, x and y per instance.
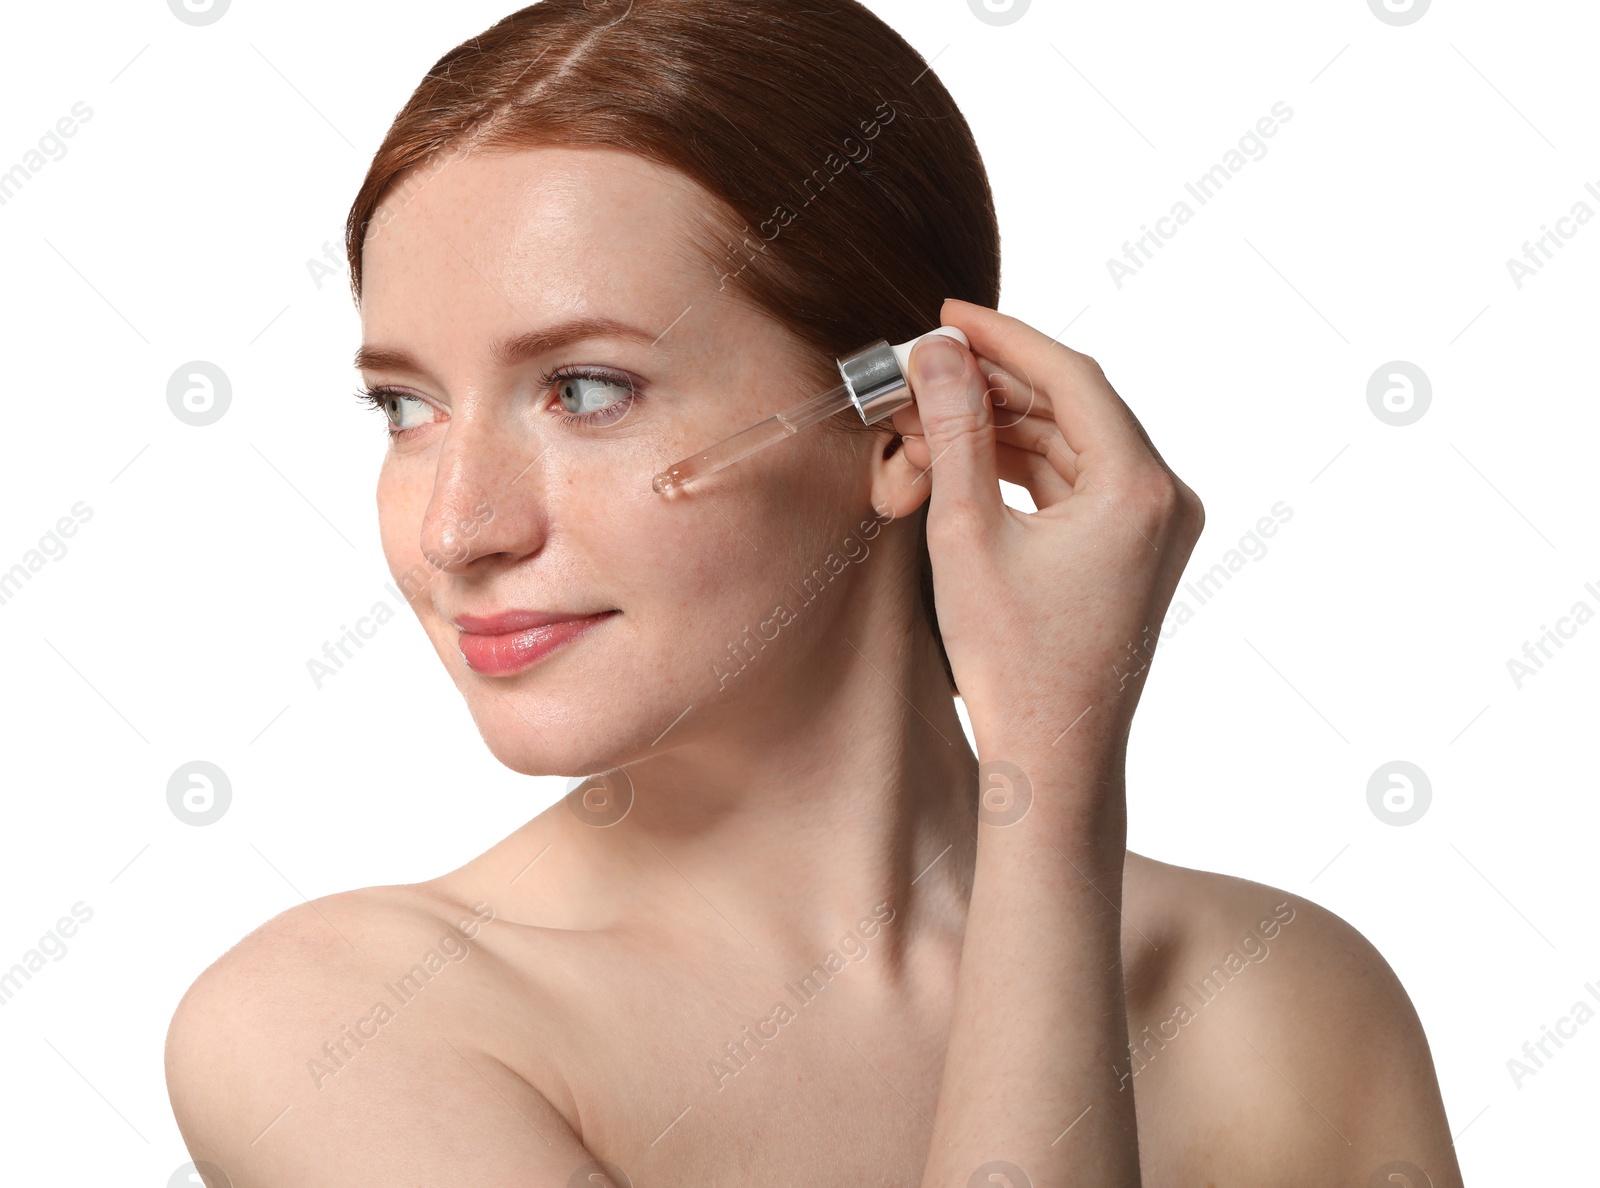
(487, 493)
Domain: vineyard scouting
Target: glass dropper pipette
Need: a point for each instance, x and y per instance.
(874, 385)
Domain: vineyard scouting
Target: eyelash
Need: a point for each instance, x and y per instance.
(376, 397)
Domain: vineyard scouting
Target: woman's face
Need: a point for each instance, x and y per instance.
(491, 500)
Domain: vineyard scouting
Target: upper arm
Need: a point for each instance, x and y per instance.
(291, 1063)
(1313, 1046)
(1346, 1065)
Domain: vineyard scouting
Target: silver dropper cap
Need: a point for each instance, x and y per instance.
(875, 376)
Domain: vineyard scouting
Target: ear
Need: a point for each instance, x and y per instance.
(899, 484)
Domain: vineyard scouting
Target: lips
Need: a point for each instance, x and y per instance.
(508, 621)
(515, 640)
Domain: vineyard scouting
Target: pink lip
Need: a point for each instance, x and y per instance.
(517, 620)
(511, 642)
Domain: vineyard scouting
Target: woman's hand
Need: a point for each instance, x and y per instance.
(1049, 619)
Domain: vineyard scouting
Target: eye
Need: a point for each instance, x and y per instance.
(595, 398)
(394, 405)
(592, 397)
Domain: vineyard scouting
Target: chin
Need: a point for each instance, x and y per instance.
(572, 741)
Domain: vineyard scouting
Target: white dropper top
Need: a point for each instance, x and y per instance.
(902, 353)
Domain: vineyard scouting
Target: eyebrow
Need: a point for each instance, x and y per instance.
(519, 348)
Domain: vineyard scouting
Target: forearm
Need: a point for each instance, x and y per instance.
(1040, 1021)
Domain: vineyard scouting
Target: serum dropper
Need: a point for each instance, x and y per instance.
(874, 384)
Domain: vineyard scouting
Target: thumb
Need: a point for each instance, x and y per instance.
(958, 425)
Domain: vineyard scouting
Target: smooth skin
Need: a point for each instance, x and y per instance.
(598, 988)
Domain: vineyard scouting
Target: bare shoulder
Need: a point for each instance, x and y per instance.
(337, 1044)
(1273, 1043)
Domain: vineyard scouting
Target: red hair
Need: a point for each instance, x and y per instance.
(849, 195)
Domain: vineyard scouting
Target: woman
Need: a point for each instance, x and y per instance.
(796, 932)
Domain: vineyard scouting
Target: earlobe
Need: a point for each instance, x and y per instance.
(899, 485)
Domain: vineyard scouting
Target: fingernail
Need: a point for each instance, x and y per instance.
(938, 358)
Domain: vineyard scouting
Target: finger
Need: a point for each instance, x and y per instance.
(1037, 433)
(1034, 472)
(1009, 397)
(1088, 410)
(1025, 467)
(959, 430)
(1042, 436)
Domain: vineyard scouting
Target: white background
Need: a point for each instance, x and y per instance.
(1377, 626)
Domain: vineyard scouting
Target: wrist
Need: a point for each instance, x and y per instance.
(1074, 730)
(1073, 801)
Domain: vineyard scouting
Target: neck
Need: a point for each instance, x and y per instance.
(788, 815)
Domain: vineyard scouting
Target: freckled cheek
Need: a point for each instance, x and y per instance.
(684, 566)
(651, 551)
